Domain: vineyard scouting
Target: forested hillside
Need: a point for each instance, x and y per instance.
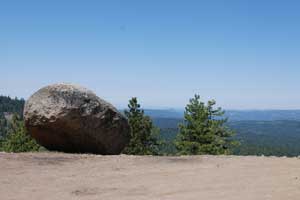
(278, 138)
(8, 107)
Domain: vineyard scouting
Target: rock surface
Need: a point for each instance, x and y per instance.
(57, 176)
(70, 118)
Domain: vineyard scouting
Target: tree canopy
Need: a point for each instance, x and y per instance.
(144, 136)
(203, 130)
(17, 139)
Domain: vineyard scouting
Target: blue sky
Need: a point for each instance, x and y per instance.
(243, 54)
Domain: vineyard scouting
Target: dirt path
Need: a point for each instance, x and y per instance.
(51, 176)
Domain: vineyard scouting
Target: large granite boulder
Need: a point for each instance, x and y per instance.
(70, 118)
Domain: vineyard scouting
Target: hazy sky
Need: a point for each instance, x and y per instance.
(244, 54)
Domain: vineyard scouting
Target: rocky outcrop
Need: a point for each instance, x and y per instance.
(70, 118)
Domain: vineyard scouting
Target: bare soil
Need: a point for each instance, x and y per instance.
(57, 176)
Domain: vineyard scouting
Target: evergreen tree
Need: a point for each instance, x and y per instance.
(17, 140)
(144, 136)
(3, 127)
(203, 130)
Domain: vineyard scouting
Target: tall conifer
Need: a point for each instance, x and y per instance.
(204, 130)
(144, 139)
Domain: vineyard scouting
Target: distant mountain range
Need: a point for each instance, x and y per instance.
(234, 115)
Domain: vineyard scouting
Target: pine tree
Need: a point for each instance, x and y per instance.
(203, 130)
(17, 140)
(144, 136)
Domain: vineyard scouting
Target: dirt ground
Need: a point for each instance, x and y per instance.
(51, 176)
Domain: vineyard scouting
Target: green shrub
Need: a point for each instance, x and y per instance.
(17, 140)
